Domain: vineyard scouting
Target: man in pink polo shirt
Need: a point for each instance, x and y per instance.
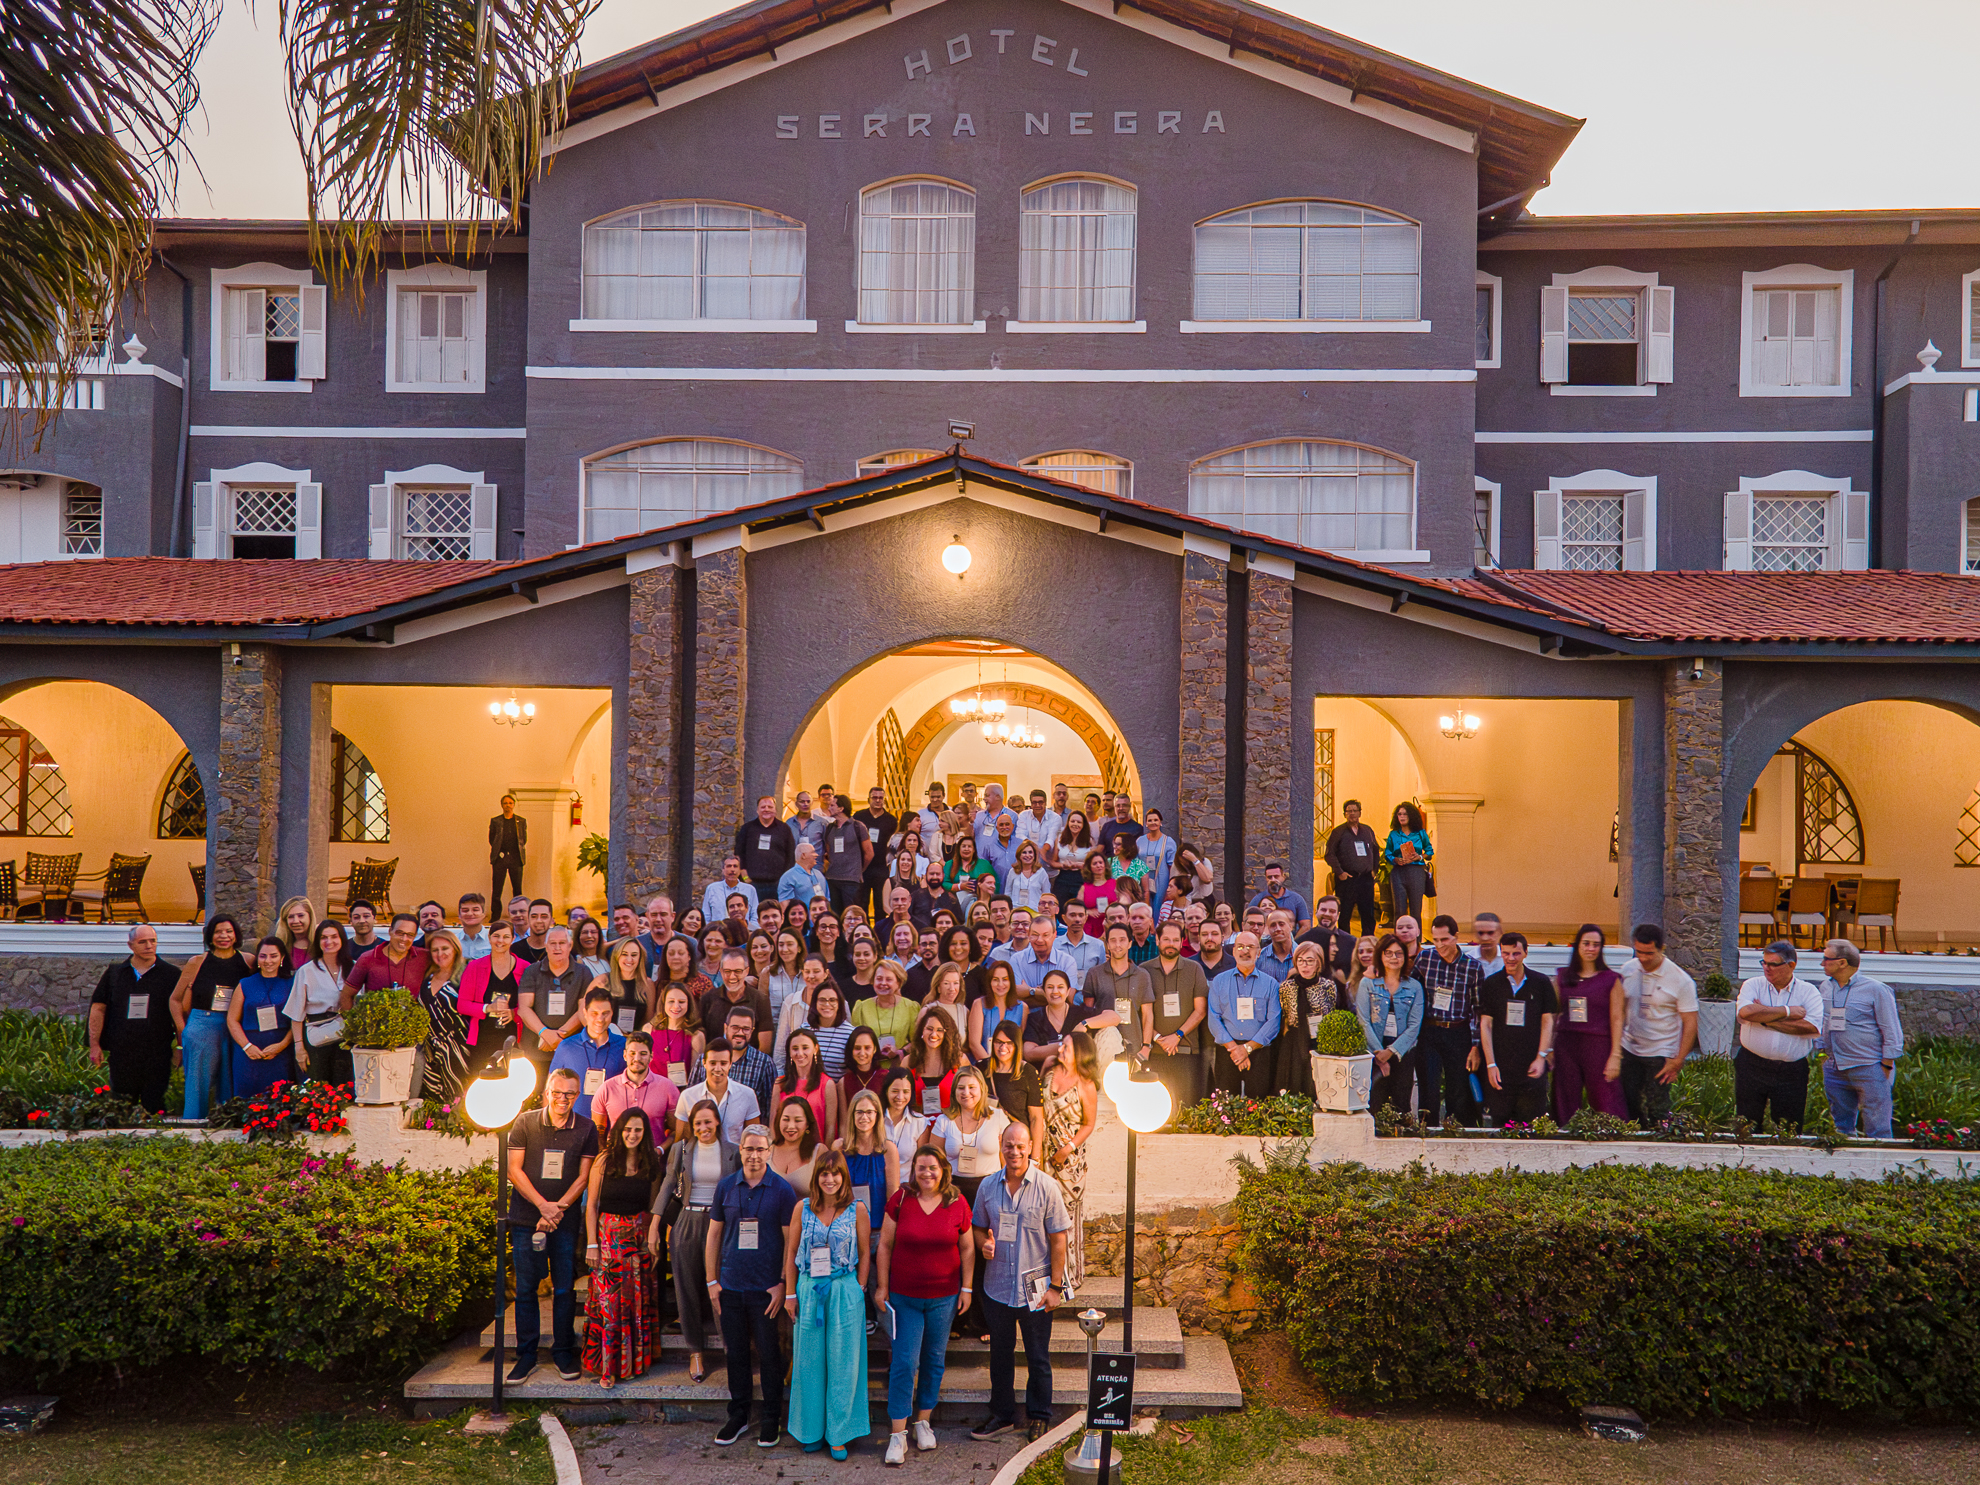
(638, 1087)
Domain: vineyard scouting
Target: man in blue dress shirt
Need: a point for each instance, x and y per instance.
(1863, 1039)
(596, 1053)
(1244, 1019)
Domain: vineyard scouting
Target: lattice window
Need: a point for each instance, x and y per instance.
(1828, 830)
(34, 797)
(439, 524)
(1615, 836)
(1114, 770)
(1323, 789)
(1790, 533)
(82, 525)
(1592, 533)
(182, 808)
(362, 814)
(1966, 850)
(264, 510)
(893, 764)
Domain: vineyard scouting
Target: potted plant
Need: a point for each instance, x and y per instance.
(1716, 1017)
(1342, 1065)
(382, 1028)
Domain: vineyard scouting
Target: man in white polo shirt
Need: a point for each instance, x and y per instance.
(1660, 1029)
(1779, 1018)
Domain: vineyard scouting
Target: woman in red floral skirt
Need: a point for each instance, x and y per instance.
(622, 1317)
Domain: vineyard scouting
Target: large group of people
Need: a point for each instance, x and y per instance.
(853, 1083)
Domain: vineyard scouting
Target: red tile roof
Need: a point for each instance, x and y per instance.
(183, 591)
(1750, 607)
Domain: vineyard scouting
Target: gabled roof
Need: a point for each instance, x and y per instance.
(1935, 227)
(1518, 142)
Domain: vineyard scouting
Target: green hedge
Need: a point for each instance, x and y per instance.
(1674, 1292)
(135, 1251)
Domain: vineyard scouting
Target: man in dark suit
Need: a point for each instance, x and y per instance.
(508, 835)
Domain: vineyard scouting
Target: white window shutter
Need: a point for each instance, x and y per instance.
(206, 525)
(1636, 531)
(381, 523)
(253, 363)
(40, 517)
(481, 524)
(1738, 532)
(309, 520)
(1659, 356)
(1855, 530)
(1547, 530)
(310, 360)
(1553, 335)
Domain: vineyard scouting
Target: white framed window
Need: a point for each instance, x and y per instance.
(917, 257)
(1338, 497)
(1796, 521)
(434, 513)
(892, 459)
(1308, 265)
(1076, 248)
(258, 511)
(1601, 520)
(1606, 332)
(45, 518)
(1969, 319)
(1107, 473)
(1969, 556)
(694, 265)
(268, 330)
(671, 480)
(1489, 294)
(1484, 522)
(1794, 332)
(436, 329)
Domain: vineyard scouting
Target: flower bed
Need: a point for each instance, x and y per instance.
(1285, 1114)
(286, 1111)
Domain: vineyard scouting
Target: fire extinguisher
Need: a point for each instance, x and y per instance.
(577, 810)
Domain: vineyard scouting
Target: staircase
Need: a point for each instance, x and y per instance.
(1181, 1375)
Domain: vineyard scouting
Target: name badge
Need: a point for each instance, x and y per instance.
(887, 1045)
(746, 1235)
(1007, 1227)
(222, 995)
(138, 1008)
(1836, 1019)
(1515, 1013)
(625, 1018)
(838, 845)
(1577, 1008)
(1313, 1025)
(594, 1079)
(264, 1016)
(1172, 1004)
(552, 1168)
(1441, 1002)
(1361, 848)
(966, 1160)
(763, 843)
(821, 1263)
(677, 1073)
(1246, 1008)
(931, 1101)
(554, 1003)
(1389, 1026)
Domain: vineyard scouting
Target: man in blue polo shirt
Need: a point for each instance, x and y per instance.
(1244, 1020)
(595, 1054)
(804, 881)
(745, 1253)
(1038, 955)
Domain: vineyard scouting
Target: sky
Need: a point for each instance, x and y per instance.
(1692, 105)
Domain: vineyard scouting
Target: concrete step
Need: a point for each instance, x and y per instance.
(1158, 1337)
(1100, 1291)
(1205, 1381)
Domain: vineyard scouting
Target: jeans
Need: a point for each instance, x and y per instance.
(205, 1044)
(1859, 1095)
(746, 1327)
(559, 1260)
(1441, 1052)
(1647, 1100)
(1006, 1321)
(921, 1336)
(1759, 1081)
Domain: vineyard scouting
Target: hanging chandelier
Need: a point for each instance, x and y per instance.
(976, 704)
(509, 713)
(1016, 735)
(1458, 724)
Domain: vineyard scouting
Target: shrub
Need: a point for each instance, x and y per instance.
(134, 1251)
(384, 1020)
(1340, 1035)
(1286, 1114)
(286, 1110)
(1717, 985)
(90, 1108)
(1676, 1292)
(442, 1118)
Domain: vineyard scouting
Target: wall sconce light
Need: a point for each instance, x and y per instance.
(500, 712)
(1458, 724)
(955, 557)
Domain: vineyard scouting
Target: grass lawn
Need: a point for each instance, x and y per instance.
(223, 1426)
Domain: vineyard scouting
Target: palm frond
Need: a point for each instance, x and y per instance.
(424, 109)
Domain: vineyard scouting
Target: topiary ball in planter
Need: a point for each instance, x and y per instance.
(382, 1028)
(1717, 985)
(1339, 1035)
(1342, 1066)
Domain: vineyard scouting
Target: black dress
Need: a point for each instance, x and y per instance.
(1299, 1000)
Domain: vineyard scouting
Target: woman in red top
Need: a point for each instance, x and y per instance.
(1098, 890)
(1588, 1031)
(926, 1273)
(938, 1052)
(864, 1069)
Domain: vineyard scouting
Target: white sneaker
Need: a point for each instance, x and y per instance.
(896, 1448)
(924, 1436)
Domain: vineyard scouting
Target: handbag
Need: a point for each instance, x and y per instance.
(324, 1028)
(1429, 881)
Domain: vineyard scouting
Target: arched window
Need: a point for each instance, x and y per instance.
(1307, 260)
(361, 811)
(1966, 849)
(34, 797)
(1827, 828)
(676, 479)
(1103, 472)
(694, 260)
(917, 254)
(1076, 252)
(182, 807)
(1337, 497)
(893, 459)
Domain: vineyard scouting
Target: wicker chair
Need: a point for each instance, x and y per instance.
(120, 898)
(49, 881)
(199, 892)
(1759, 907)
(10, 895)
(1810, 903)
(1876, 907)
(370, 881)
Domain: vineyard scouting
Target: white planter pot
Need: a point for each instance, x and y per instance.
(1716, 1021)
(1340, 1084)
(383, 1076)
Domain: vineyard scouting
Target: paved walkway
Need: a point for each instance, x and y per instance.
(636, 1453)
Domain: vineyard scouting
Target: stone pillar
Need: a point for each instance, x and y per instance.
(650, 819)
(721, 691)
(1455, 817)
(1694, 817)
(246, 800)
(1268, 724)
(1205, 681)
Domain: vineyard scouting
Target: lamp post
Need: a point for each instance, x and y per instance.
(493, 1101)
(1143, 1102)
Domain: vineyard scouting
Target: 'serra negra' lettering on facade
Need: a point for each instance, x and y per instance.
(964, 126)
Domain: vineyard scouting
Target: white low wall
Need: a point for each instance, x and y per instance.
(375, 1138)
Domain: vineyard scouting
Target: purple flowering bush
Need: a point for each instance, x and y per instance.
(132, 1251)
